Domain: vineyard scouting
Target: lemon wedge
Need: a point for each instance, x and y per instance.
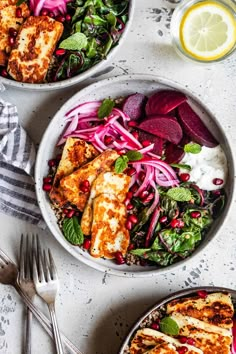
(208, 30)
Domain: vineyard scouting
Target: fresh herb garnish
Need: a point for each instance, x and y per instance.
(179, 194)
(122, 162)
(181, 166)
(72, 231)
(106, 108)
(192, 148)
(169, 326)
(134, 155)
(19, 2)
(76, 41)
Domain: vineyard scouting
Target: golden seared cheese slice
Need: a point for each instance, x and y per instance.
(9, 20)
(108, 233)
(209, 338)
(216, 308)
(35, 43)
(147, 339)
(168, 348)
(76, 152)
(106, 182)
(71, 184)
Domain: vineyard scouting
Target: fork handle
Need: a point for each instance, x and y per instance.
(55, 328)
(28, 331)
(46, 324)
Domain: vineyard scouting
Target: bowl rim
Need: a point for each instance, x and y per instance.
(78, 78)
(165, 300)
(39, 193)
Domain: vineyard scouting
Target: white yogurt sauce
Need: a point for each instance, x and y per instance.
(210, 163)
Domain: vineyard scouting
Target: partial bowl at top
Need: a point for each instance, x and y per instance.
(117, 87)
(84, 36)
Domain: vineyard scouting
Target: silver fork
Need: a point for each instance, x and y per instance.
(25, 280)
(8, 276)
(46, 283)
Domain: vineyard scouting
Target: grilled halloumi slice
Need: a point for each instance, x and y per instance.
(216, 308)
(108, 232)
(35, 43)
(148, 339)
(106, 182)
(76, 153)
(71, 184)
(209, 338)
(168, 348)
(9, 20)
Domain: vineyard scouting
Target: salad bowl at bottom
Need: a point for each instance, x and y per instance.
(117, 87)
(208, 297)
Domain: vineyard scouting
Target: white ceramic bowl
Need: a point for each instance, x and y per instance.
(115, 87)
(78, 78)
(166, 300)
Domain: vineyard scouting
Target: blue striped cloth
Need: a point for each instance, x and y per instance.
(17, 158)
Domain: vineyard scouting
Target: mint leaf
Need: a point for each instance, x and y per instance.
(121, 164)
(140, 251)
(19, 2)
(105, 108)
(179, 194)
(72, 231)
(169, 326)
(134, 155)
(76, 41)
(193, 148)
(182, 166)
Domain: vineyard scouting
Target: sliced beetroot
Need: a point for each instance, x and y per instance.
(173, 153)
(158, 142)
(166, 128)
(163, 102)
(134, 106)
(194, 127)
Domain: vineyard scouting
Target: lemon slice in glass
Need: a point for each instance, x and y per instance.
(208, 31)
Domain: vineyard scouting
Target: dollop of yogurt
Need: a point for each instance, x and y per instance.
(207, 165)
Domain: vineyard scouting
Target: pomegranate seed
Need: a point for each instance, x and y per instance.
(119, 258)
(134, 188)
(143, 194)
(141, 176)
(128, 225)
(182, 350)
(181, 224)
(133, 219)
(129, 195)
(87, 244)
(65, 211)
(129, 206)
(163, 219)
(70, 213)
(176, 223)
(216, 192)
(127, 201)
(84, 189)
(47, 180)
(191, 341)
(130, 171)
(148, 198)
(47, 187)
(108, 139)
(18, 12)
(121, 152)
(146, 143)
(155, 325)
(132, 124)
(51, 14)
(184, 177)
(60, 18)
(183, 340)
(218, 181)
(59, 52)
(85, 183)
(52, 163)
(131, 247)
(11, 41)
(135, 134)
(12, 32)
(202, 294)
(195, 214)
(68, 17)
(44, 12)
(4, 73)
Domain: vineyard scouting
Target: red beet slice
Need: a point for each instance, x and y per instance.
(166, 128)
(134, 106)
(163, 102)
(158, 142)
(194, 127)
(173, 153)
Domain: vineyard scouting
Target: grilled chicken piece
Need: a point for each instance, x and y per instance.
(35, 43)
(216, 309)
(8, 19)
(71, 184)
(106, 182)
(76, 153)
(109, 233)
(150, 341)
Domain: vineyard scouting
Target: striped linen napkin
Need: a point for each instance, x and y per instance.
(17, 158)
